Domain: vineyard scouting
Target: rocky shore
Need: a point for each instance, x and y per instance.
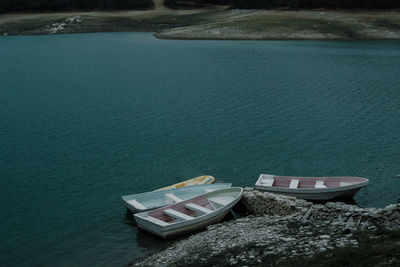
(279, 228)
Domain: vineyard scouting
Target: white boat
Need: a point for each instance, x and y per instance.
(311, 188)
(156, 199)
(205, 179)
(189, 215)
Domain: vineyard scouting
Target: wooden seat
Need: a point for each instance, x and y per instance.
(294, 183)
(173, 198)
(319, 184)
(137, 204)
(267, 182)
(215, 203)
(157, 221)
(177, 214)
(197, 208)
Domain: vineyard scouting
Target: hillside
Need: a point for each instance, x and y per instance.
(215, 23)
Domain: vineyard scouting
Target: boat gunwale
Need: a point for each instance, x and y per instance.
(204, 217)
(173, 189)
(201, 180)
(135, 209)
(360, 184)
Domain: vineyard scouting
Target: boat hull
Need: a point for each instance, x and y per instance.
(205, 179)
(317, 195)
(174, 232)
(320, 194)
(182, 227)
(156, 199)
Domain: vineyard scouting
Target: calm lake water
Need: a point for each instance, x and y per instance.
(86, 118)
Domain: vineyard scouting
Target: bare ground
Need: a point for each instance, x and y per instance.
(273, 24)
(215, 23)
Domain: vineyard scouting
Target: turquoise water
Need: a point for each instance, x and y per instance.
(87, 118)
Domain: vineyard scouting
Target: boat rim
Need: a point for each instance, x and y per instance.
(360, 184)
(143, 215)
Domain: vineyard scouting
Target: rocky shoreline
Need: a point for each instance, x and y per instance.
(279, 228)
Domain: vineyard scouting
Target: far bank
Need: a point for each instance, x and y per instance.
(217, 23)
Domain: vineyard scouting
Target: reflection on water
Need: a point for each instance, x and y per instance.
(129, 218)
(147, 240)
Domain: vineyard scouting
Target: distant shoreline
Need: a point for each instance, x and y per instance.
(219, 23)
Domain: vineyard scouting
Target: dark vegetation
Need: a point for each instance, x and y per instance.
(293, 4)
(369, 4)
(197, 3)
(67, 5)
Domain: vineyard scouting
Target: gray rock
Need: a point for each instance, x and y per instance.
(325, 236)
(390, 209)
(277, 226)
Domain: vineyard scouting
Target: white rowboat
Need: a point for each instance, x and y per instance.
(157, 199)
(311, 188)
(205, 179)
(189, 215)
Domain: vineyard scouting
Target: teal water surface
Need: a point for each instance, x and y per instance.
(87, 118)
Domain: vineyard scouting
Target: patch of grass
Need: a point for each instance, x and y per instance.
(386, 23)
(181, 20)
(25, 26)
(297, 24)
(105, 21)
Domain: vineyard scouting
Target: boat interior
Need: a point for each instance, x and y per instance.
(305, 182)
(183, 211)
